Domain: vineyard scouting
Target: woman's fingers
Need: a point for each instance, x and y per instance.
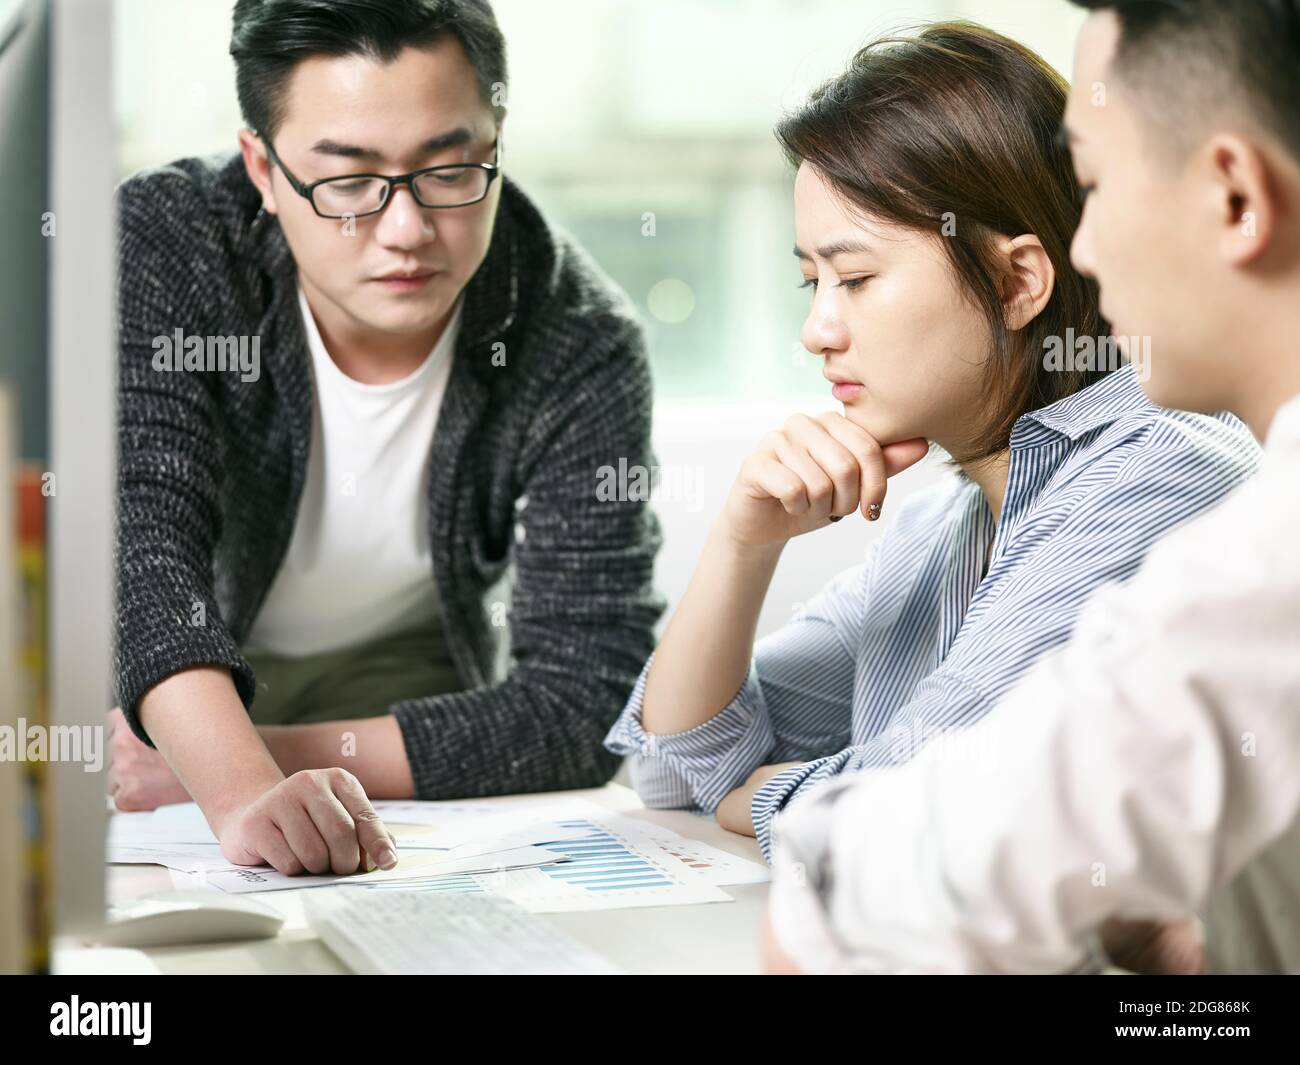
(818, 486)
(878, 463)
(834, 464)
(827, 467)
(769, 477)
(872, 473)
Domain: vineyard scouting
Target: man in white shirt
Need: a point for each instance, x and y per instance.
(1155, 760)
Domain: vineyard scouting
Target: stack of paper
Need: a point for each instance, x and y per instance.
(548, 855)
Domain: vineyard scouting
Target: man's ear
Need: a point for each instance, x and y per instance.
(258, 166)
(1028, 283)
(1244, 197)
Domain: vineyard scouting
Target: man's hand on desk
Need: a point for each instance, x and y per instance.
(139, 777)
(734, 812)
(316, 821)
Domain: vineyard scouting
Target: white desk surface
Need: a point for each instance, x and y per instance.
(720, 937)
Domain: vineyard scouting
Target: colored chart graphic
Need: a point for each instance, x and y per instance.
(596, 868)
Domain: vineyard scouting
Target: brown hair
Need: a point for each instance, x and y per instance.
(961, 124)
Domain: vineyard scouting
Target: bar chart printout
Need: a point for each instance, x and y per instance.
(597, 868)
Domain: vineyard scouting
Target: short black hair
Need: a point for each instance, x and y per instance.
(1182, 57)
(270, 37)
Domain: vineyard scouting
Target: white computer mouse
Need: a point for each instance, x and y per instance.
(178, 917)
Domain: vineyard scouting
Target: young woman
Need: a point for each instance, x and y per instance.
(934, 207)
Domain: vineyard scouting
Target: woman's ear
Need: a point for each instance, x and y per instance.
(1029, 280)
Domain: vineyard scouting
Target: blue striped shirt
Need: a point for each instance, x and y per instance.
(919, 639)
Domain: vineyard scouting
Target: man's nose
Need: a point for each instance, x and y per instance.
(403, 222)
(1081, 252)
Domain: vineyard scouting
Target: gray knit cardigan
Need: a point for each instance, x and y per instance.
(211, 469)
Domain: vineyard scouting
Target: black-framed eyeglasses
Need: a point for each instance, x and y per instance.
(358, 195)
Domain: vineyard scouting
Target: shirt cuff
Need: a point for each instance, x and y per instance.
(774, 796)
(701, 765)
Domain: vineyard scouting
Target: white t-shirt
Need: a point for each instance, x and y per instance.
(358, 566)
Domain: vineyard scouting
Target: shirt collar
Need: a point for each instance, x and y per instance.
(1117, 394)
(441, 350)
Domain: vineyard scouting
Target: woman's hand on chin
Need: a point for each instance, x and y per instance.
(809, 472)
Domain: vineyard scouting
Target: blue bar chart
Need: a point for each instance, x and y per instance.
(596, 867)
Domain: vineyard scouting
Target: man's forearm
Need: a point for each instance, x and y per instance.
(371, 749)
(199, 725)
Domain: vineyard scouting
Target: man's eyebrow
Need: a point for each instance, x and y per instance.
(451, 139)
(839, 247)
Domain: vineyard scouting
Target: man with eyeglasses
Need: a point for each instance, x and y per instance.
(322, 568)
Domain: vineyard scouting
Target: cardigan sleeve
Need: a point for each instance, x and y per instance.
(169, 468)
(583, 608)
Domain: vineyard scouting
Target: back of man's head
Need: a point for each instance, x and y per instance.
(1190, 62)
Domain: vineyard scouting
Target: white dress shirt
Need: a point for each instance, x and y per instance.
(1133, 773)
